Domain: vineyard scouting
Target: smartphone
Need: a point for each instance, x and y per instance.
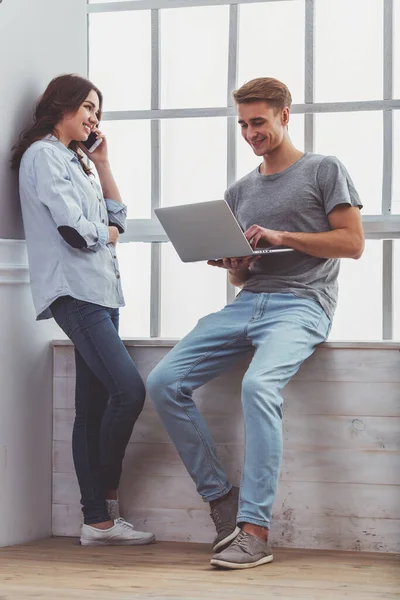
(92, 142)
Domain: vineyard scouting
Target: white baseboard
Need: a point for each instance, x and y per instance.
(13, 262)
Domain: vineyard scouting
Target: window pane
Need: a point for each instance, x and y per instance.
(396, 49)
(356, 139)
(193, 160)
(194, 57)
(359, 312)
(188, 291)
(396, 163)
(348, 50)
(262, 51)
(396, 287)
(247, 160)
(120, 58)
(129, 151)
(134, 262)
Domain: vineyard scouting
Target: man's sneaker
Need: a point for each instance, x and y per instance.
(121, 534)
(224, 513)
(113, 509)
(246, 551)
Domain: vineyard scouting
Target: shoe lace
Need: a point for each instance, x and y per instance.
(242, 541)
(123, 523)
(216, 517)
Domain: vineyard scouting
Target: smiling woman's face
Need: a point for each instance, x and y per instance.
(78, 125)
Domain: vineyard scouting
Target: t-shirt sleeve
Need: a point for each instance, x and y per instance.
(336, 185)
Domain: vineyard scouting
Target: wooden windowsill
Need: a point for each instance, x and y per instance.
(169, 343)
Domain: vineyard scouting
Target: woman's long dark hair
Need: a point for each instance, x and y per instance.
(63, 95)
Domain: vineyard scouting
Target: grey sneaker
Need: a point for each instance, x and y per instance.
(224, 514)
(246, 551)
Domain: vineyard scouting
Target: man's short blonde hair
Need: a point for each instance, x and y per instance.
(265, 89)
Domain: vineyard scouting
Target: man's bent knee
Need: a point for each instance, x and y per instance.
(158, 383)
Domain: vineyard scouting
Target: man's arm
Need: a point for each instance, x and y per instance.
(345, 240)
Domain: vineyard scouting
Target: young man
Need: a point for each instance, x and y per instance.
(303, 201)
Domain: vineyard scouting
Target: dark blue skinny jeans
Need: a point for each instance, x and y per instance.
(109, 397)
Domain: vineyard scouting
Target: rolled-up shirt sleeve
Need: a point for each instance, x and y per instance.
(56, 191)
(117, 213)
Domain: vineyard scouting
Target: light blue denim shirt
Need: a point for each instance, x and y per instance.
(66, 222)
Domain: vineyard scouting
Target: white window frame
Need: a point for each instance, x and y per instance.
(384, 227)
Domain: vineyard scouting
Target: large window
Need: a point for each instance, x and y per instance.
(167, 69)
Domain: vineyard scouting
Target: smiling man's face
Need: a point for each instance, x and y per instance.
(262, 126)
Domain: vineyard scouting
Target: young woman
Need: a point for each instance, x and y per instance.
(72, 225)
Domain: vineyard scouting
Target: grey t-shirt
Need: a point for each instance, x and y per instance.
(299, 198)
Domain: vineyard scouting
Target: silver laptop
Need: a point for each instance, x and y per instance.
(207, 231)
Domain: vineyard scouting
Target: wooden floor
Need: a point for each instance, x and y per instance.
(59, 568)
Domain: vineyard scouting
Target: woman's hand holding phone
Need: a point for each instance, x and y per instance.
(97, 153)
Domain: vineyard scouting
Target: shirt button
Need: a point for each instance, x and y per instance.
(102, 220)
(118, 276)
(115, 256)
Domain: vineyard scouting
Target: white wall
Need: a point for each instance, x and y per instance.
(39, 39)
(339, 487)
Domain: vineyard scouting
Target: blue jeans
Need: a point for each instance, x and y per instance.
(284, 330)
(109, 397)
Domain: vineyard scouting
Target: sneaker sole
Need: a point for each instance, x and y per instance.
(229, 538)
(117, 543)
(229, 565)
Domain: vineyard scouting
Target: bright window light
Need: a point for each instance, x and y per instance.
(134, 264)
(359, 311)
(130, 157)
(189, 291)
(263, 51)
(187, 157)
(348, 50)
(120, 58)
(193, 160)
(196, 76)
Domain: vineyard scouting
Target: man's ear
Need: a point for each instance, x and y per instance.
(285, 116)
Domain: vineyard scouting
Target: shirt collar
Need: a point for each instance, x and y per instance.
(67, 151)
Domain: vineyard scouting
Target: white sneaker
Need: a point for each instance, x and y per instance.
(121, 534)
(113, 512)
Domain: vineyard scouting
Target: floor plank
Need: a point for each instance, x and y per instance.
(60, 569)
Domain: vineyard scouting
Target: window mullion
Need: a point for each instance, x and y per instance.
(126, 5)
(388, 245)
(155, 278)
(309, 75)
(387, 289)
(387, 113)
(231, 121)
